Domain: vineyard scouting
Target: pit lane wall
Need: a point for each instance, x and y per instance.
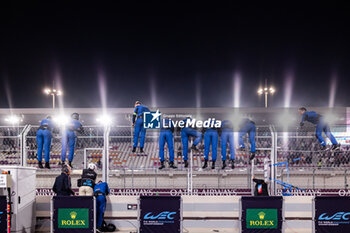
(200, 213)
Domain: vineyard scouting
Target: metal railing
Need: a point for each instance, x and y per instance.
(110, 148)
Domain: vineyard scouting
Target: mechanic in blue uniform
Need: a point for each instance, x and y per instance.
(166, 135)
(227, 137)
(248, 127)
(68, 138)
(321, 126)
(187, 132)
(137, 122)
(43, 139)
(211, 137)
(101, 190)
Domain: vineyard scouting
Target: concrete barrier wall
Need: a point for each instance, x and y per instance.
(200, 213)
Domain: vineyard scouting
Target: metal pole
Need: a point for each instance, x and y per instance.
(189, 174)
(265, 99)
(273, 160)
(105, 158)
(23, 138)
(53, 101)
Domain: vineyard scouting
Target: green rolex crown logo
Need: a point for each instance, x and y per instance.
(261, 215)
(73, 215)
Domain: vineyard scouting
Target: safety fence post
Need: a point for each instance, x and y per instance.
(23, 138)
(105, 154)
(190, 174)
(273, 160)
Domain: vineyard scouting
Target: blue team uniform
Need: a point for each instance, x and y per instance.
(166, 135)
(211, 137)
(227, 137)
(68, 139)
(43, 139)
(187, 132)
(248, 127)
(101, 190)
(139, 129)
(321, 126)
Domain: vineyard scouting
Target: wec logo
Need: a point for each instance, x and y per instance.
(336, 216)
(162, 216)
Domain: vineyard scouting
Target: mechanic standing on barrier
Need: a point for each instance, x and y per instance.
(248, 127)
(87, 182)
(227, 137)
(321, 126)
(137, 122)
(101, 190)
(69, 137)
(43, 139)
(211, 137)
(187, 132)
(63, 186)
(166, 135)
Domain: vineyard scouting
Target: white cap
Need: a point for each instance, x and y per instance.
(92, 166)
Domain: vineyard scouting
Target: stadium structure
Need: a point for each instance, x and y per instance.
(288, 158)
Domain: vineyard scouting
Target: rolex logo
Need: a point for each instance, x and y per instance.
(73, 215)
(261, 215)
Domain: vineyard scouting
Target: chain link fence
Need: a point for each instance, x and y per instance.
(92, 137)
(10, 145)
(300, 161)
(303, 164)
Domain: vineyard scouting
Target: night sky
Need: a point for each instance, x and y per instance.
(172, 54)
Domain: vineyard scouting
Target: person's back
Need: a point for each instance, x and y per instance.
(74, 125)
(47, 124)
(87, 181)
(312, 117)
(101, 187)
(140, 109)
(62, 186)
(101, 190)
(89, 174)
(137, 122)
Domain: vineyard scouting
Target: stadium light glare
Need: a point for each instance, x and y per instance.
(104, 120)
(266, 91)
(61, 120)
(53, 93)
(13, 119)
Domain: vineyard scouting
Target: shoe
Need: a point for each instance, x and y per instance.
(324, 147)
(205, 164)
(232, 164)
(171, 165)
(335, 147)
(40, 164)
(47, 165)
(186, 163)
(62, 163)
(193, 147)
(223, 164)
(141, 149)
(99, 230)
(241, 148)
(252, 155)
(161, 165)
(134, 149)
(70, 164)
(213, 165)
